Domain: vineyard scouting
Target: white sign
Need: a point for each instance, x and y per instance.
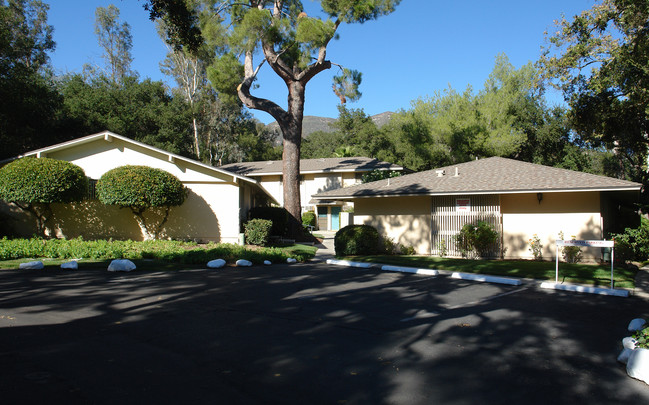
(593, 243)
(462, 205)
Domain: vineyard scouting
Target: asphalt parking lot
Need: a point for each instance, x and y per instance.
(306, 334)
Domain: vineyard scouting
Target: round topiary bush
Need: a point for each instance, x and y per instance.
(33, 184)
(140, 188)
(44, 180)
(357, 240)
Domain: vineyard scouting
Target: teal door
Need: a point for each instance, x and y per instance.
(335, 218)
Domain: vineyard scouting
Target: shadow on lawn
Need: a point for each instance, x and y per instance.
(306, 334)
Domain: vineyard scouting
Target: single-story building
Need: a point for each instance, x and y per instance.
(317, 175)
(215, 209)
(427, 209)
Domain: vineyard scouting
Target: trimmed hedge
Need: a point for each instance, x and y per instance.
(357, 240)
(43, 180)
(257, 231)
(170, 251)
(140, 187)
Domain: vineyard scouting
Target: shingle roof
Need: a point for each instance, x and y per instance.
(493, 175)
(346, 164)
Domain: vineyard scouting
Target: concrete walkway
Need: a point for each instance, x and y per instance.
(326, 248)
(642, 283)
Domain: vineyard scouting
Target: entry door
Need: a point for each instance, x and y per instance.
(335, 218)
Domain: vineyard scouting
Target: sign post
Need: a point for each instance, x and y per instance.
(586, 243)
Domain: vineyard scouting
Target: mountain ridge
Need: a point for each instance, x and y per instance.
(313, 123)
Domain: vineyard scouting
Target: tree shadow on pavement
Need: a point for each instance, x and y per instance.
(306, 333)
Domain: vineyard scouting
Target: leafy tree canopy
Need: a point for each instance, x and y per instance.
(28, 99)
(600, 60)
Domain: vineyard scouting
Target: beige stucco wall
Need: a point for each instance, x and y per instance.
(575, 214)
(310, 184)
(405, 219)
(210, 213)
(274, 186)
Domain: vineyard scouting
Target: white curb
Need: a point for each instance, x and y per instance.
(350, 264)
(428, 272)
(585, 289)
(485, 278)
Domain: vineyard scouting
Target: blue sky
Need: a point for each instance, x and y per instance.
(422, 48)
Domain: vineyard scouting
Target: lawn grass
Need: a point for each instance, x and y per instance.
(591, 274)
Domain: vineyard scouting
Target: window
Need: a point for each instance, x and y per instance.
(92, 189)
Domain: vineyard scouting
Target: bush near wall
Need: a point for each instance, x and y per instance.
(357, 240)
(140, 187)
(476, 239)
(278, 215)
(42, 180)
(257, 231)
(308, 218)
(33, 184)
(633, 243)
(170, 251)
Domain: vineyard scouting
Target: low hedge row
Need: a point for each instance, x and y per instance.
(173, 251)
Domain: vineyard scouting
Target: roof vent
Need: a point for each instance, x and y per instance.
(457, 172)
(440, 172)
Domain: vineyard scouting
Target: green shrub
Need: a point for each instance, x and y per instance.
(308, 218)
(476, 239)
(536, 248)
(278, 215)
(633, 243)
(33, 184)
(442, 249)
(170, 251)
(407, 250)
(389, 247)
(642, 338)
(44, 180)
(257, 231)
(140, 188)
(357, 240)
(571, 254)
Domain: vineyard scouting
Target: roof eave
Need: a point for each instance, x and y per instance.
(107, 136)
(476, 192)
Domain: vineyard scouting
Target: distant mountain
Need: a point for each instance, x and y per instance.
(312, 124)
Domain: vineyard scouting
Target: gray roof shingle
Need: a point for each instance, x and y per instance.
(346, 164)
(485, 176)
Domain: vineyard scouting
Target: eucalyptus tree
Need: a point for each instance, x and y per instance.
(116, 41)
(189, 71)
(294, 45)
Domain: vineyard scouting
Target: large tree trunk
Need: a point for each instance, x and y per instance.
(291, 128)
